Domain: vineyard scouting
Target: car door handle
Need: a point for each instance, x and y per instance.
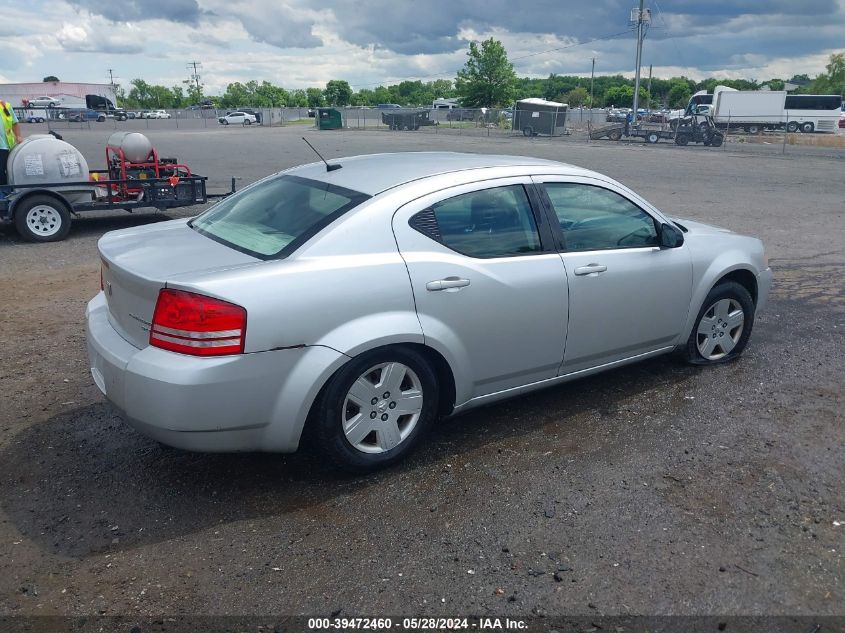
(446, 284)
(590, 269)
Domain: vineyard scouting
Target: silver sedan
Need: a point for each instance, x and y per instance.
(359, 302)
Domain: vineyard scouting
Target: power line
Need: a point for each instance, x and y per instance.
(515, 59)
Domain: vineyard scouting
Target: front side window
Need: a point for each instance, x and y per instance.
(273, 217)
(592, 218)
(495, 222)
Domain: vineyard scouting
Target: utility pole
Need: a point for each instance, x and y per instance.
(641, 18)
(111, 81)
(195, 75)
(648, 90)
(592, 78)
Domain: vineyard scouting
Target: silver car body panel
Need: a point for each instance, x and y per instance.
(507, 327)
(360, 284)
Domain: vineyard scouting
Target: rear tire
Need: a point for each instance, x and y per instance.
(653, 138)
(808, 127)
(717, 140)
(354, 423)
(723, 326)
(527, 131)
(753, 128)
(41, 218)
(792, 127)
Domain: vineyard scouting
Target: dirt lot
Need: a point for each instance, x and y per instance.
(656, 488)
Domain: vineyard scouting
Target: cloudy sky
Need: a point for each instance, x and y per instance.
(302, 43)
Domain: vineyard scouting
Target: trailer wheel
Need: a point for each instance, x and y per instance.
(41, 218)
(528, 131)
(652, 138)
(807, 127)
(614, 135)
(792, 126)
(681, 139)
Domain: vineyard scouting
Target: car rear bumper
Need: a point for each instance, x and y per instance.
(244, 402)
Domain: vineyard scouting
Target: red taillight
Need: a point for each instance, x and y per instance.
(191, 323)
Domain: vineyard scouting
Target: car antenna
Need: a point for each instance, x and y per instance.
(328, 167)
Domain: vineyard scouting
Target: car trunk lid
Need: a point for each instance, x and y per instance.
(138, 262)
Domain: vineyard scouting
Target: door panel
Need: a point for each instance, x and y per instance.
(627, 296)
(638, 304)
(500, 321)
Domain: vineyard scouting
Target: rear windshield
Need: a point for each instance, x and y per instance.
(275, 216)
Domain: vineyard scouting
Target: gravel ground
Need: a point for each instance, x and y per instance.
(655, 488)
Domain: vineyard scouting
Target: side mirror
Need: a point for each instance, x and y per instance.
(670, 236)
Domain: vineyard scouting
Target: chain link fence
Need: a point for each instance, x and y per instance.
(739, 133)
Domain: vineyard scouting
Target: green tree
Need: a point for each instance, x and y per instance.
(441, 89)
(832, 81)
(178, 97)
(50, 78)
(679, 94)
(338, 92)
(578, 96)
(194, 93)
(298, 98)
(315, 97)
(487, 79)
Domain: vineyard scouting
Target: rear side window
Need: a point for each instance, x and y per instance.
(495, 222)
(274, 217)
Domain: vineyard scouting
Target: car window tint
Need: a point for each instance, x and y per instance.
(593, 218)
(265, 219)
(495, 222)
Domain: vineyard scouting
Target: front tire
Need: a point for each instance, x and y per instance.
(792, 127)
(681, 139)
(723, 326)
(41, 218)
(374, 410)
(808, 127)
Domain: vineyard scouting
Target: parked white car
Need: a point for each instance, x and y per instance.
(241, 118)
(158, 114)
(44, 102)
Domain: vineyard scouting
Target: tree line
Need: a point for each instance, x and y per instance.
(486, 80)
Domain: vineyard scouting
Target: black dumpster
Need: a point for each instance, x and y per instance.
(407, 119)
(538, 116)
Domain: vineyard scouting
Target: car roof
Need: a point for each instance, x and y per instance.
(374, 173)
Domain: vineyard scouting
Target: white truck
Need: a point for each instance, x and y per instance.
(757, 110)
(751, 110)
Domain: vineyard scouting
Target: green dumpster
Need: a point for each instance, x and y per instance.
(329, 119)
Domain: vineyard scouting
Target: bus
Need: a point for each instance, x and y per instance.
(812, 113)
